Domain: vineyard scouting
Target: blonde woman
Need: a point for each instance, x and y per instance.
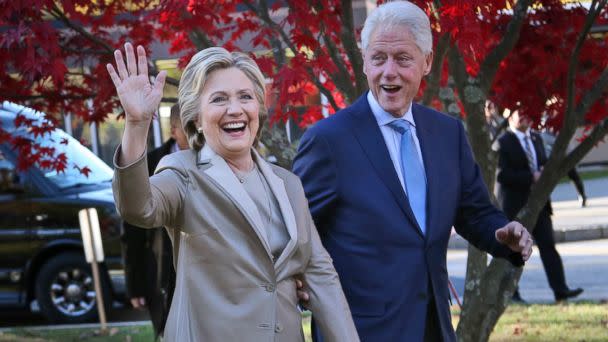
(241, 227)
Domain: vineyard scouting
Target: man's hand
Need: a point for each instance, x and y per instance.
(536, 175)
(516, 237)
(303, 296)
(138, 303)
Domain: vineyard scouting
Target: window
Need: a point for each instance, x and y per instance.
(9, 177)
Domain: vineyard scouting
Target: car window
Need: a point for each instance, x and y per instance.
(10, 182)
(78, 156)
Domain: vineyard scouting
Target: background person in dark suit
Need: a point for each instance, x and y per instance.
(521, 156)
(386, 179)
(548, 141)
(147, 254)
(493, 118)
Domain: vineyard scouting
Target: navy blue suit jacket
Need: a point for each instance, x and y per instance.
(362, 214)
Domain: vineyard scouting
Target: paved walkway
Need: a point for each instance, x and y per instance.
(570, 221)
(585, 265)
(573, 223)
(585, 262)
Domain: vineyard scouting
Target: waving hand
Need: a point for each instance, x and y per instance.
(139, 98)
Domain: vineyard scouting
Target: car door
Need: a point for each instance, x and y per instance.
(15, 233)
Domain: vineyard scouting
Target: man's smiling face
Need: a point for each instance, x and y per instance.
(394, 66)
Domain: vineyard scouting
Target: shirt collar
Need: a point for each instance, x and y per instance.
(521, 135)
(174, 147)
(383, 117)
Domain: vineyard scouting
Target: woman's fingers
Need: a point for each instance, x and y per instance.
(120, 65)
(142, 62)
(159, 82)
(131, 64)
(113, 75)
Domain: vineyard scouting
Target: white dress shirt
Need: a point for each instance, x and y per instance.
(392, 138)
(521, 137)
(174, 147)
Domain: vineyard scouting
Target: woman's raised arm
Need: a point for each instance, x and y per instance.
(139, 99)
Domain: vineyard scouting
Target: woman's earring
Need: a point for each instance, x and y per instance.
(200, 129)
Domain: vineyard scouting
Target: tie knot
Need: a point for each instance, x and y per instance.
(400, 126)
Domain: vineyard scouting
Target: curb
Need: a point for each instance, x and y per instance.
(593, 232)
(77, 326)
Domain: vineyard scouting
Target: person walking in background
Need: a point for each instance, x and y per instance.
(548, 141)
(521, 156)
(494, 120)
(240, 226)
(149, 271)
(386, 179)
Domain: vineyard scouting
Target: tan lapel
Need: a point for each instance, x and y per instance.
(277, 186)
(224, 178)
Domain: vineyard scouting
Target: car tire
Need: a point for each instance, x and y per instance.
(65, 289)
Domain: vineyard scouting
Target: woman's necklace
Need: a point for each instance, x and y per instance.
(242, 175)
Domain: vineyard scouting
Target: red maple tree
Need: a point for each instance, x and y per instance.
(537, 57)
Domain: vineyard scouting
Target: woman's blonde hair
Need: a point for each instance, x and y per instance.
(196, 75)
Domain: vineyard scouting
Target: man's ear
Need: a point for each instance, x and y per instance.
(428, 63)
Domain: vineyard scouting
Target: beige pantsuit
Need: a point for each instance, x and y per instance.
(229, 287)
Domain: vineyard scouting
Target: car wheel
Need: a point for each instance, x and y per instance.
(65, 289)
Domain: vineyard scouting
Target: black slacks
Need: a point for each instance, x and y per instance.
(552, 261)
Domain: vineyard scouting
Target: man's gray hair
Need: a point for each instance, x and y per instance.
(395, 15)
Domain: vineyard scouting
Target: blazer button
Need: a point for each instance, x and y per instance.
(278, 328)
(269, 287)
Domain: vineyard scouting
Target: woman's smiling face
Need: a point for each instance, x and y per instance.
(229, 115)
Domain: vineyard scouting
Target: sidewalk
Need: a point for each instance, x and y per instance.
(570, 221)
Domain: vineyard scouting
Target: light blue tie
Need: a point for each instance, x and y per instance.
(413, 173)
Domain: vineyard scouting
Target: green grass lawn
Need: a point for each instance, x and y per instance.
(555, 322)
(141, 333)
(562, 322)
(588, 175)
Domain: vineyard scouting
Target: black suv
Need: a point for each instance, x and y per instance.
(41, 253)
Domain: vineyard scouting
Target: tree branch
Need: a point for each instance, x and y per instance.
(314, 78)
(59, 15)
(490, 64)
(200, 40)
(342, 77)
(349, 41)
(576, 155)
(570, 118)
(458, 68)
(592, 95)
(574, 116)
(277, 48)
(20, 97)
(56, 13)
(432, 83)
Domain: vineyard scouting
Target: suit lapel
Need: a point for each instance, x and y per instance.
(225, 180)
(277, 186)
(428, 147)
(367, 133)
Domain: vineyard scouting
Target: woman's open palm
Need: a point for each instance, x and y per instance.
(138, 97)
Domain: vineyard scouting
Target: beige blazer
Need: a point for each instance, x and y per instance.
(228, 286)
